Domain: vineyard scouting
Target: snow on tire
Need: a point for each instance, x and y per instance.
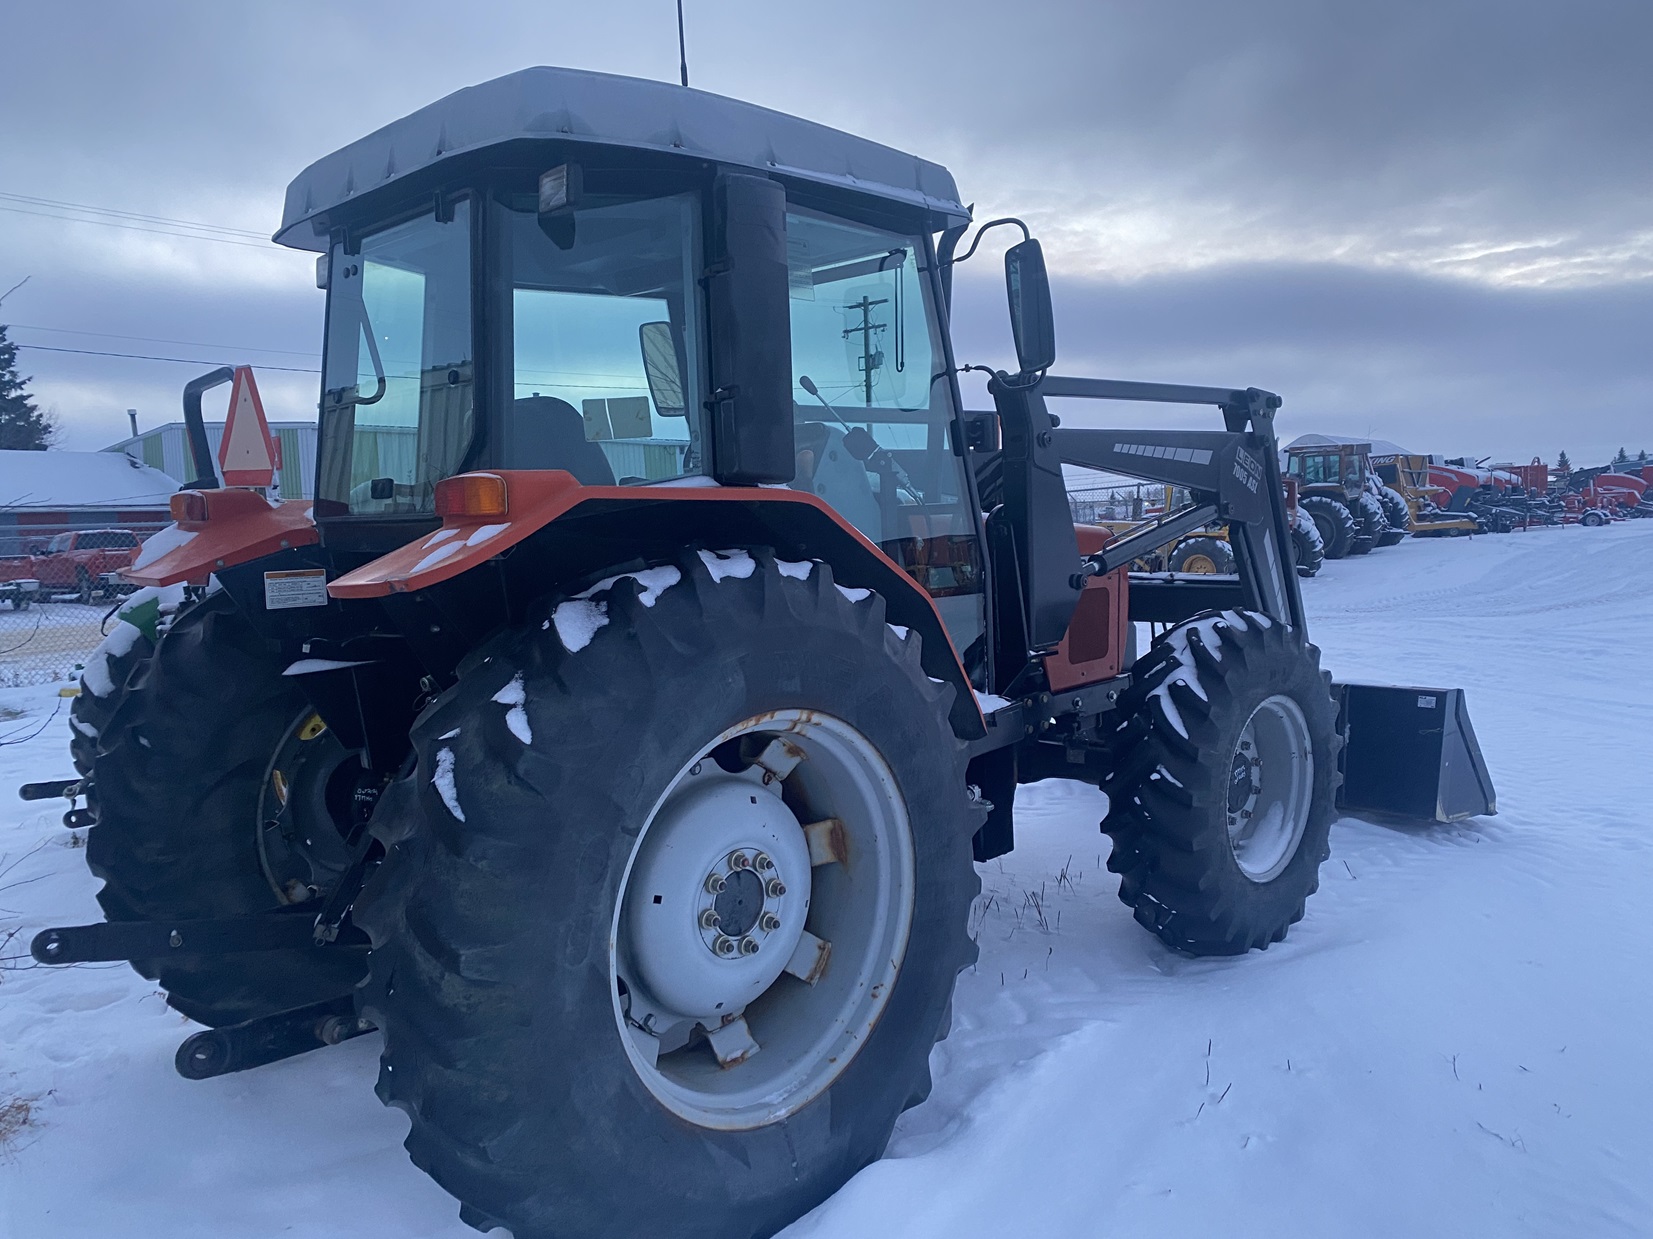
(626, 979)
(142, 617)
(1225, 789)
(1395, 509)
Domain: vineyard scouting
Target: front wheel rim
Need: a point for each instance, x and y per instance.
(762, 920)
(1271, 788)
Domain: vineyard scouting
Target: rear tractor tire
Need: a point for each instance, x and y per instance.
(1204, 555)
(210, 785)
(1395, 510)
(1334, 521)
(1222, 807)
(1369, 524)
(672, 905)
(1308, 551)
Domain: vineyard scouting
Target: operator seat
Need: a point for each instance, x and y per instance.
(827, 469)
(547, 433)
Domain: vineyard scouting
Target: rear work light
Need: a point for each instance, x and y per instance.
(188, 507)
(471, 496)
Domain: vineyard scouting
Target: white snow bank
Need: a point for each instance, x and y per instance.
(51, 480)
(1450, 1043)
(797, 571)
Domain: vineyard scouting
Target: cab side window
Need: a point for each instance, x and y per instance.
(874, 436)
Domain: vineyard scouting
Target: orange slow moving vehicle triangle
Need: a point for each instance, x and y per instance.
(244, 453)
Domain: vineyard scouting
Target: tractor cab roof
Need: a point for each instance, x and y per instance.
(554, 105)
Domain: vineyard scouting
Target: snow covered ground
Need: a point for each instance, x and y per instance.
(1453, 1042)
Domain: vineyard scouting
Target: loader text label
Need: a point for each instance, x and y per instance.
(305, 587)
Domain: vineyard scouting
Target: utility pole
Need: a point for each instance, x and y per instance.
(871, 359)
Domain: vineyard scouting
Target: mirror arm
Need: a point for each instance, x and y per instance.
(982, 232)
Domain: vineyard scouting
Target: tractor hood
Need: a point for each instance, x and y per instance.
(572, 105)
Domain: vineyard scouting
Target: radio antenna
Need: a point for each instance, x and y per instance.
(682, 47)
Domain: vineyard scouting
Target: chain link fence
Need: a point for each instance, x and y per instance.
(58, 593)
(1142, 501)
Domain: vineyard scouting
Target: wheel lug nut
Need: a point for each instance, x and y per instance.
(739, 861)
(763, 863)
(709, 919)
(724, 946)
(748, 946)
(770, 922)
(714, 884)
(776, 888)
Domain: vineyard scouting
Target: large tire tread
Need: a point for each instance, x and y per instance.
(456, 914)
(1167, 798)
(176, 783)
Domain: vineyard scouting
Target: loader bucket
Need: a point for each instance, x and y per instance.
(1411, 752)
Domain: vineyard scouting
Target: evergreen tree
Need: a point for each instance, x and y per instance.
(1621, 457)
(1641, 457)
(23, 426)
(1562, 464)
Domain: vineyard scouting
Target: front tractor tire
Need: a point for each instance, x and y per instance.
(182, 788)
(672, 905)
(1206, 555)
(1227, 782)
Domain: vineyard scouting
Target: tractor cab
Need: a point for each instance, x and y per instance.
(666, 288)
(1344, 466)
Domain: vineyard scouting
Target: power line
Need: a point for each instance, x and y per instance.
(110, 335)
(186, 361)
(163, 232)
(31, 200)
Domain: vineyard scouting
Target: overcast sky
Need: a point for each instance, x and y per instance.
(1423, 221)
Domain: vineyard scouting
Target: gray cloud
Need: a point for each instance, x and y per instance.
(1439, 365)
(1439, 205)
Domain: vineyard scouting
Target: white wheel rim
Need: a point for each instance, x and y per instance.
(805, 857)
(1270, 789)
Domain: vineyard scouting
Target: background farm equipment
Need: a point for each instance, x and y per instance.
(1350, 506)
(1428, 506)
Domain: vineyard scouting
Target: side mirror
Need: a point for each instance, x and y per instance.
(660, 365)
(1032, 322)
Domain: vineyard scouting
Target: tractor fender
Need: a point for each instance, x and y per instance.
(236, 526)
(555, 530)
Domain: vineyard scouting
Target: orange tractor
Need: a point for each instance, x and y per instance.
(615, 731)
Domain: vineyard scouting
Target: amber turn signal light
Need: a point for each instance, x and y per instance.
(470, 496)
(188, 507)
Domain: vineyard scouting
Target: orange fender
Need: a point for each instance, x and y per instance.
(230, 527)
